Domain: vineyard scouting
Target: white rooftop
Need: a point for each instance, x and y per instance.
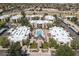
(70, 16)
(49, 17)
(40, 21)
(16, 17)
(19, 34)
(59, 34)
(34, 15)
(4, 16)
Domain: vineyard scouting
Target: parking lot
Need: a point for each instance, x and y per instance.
(73, 34)
(5, 34)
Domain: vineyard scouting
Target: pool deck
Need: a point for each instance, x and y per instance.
(46, 35)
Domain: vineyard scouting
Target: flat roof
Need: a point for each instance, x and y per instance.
(71, 16)
(40, 21)
(16, 17)
(4, 16)
(59, 34)
(49, 17)
(34, 15)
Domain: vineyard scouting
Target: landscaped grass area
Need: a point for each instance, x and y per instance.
(53, 43)
(45, 45)
(4, 42)
(33, 45)
(65, 50)
(75, 44)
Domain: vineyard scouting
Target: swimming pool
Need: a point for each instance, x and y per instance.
(39, 33)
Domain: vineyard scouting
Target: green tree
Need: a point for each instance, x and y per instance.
(58, 21)
(23, 13)
(53, 43)
(15, 49)
(65, 50)
(68, 18)
(2, 24)
(8, 19)
(25, 22)
(55, 16)
(4, 42)
(74, 19)
(75, 44)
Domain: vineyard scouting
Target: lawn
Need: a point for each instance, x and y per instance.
(33, 45)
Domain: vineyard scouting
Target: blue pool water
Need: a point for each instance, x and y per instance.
(39, 33)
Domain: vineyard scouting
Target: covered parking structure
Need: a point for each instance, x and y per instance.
(60, 35)
(19, 34)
